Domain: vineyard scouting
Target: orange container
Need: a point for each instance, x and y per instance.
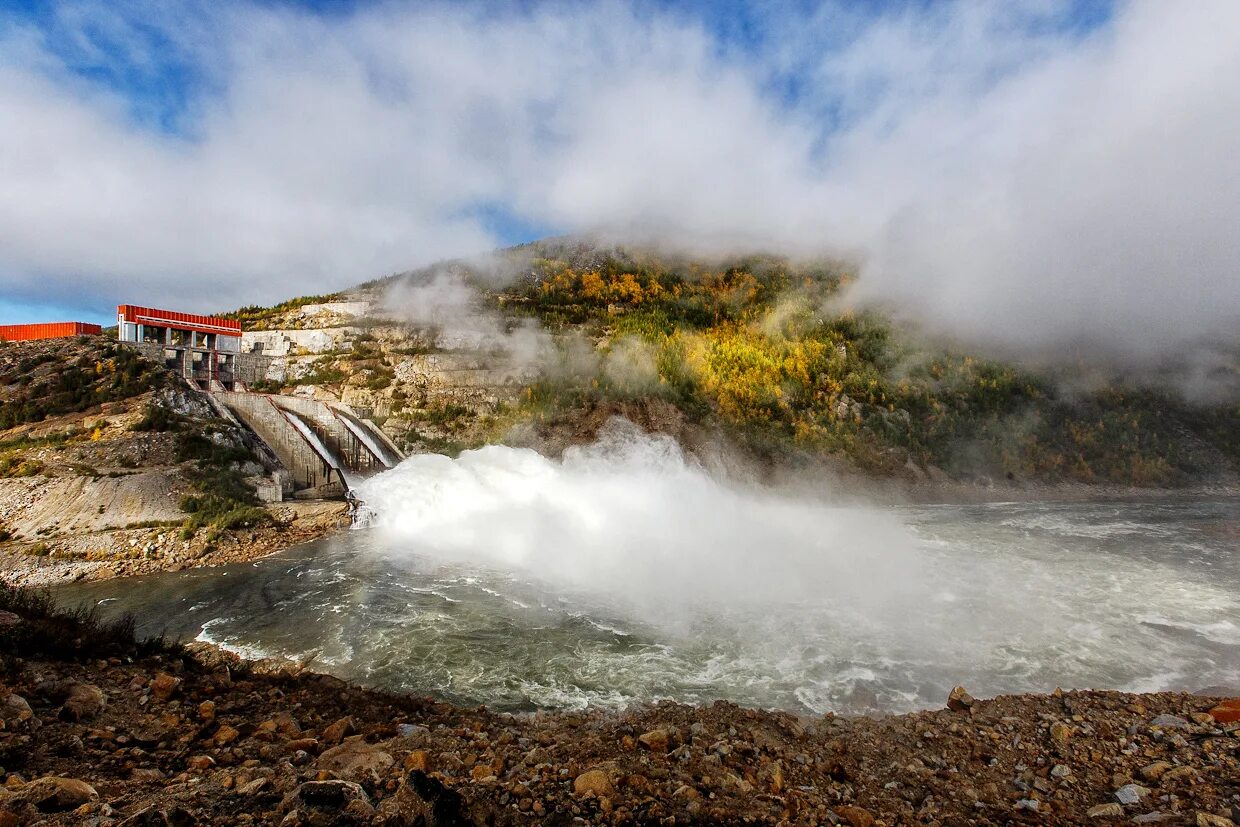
(47, 330)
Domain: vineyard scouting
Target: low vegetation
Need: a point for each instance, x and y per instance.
(759, 347)
(71, 377)
(257, 317)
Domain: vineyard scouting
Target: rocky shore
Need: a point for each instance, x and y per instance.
(147, 550)
(99, 730)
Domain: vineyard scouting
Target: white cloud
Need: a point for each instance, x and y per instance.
(1004, 178)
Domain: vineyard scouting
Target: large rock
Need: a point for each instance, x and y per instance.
(356, 760)
(83, 701)
(959, 700)
(324, 795)
(156, 817)
(657, 740)
(1131, 793)
(424, 800)
(1227, 712)
(594, 782)
(57, 794)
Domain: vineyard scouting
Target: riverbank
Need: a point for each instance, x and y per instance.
(149, 549)
(102, 731)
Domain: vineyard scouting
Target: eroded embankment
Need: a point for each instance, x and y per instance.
(161, 736)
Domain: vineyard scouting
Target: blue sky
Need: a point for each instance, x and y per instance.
(215, 154)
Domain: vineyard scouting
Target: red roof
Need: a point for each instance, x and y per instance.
(181, 321)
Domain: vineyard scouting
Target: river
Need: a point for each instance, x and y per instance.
(1007, 597)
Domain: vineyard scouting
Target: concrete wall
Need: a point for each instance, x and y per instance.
(261, 415)
(298, 342)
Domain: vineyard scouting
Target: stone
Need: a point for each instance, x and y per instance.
(1154, 771)
(201, 762)
(1170, 722)
(1205, 819)
(337, 732)
(253, 787)
(148, 775)
(17, 713)
(656, 740)
(422, 799)
(206, 711)
(1060, 771)
(355, 760)
(83, 702)
(324, 795)
(1131, 793)
(57, 794)
(1227, 712)
(1152, 818)
(1179, 775)
(1030, 804)
(302, 745)
(164, 686)
(1111, 810)
(959, 700)
(155, 817)
(8, 619)
(286, 725)
(1061, 733)
(855, 816)
(595, 782)
(418, 759)
(225, 735)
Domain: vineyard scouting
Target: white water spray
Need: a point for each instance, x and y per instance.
(631, 519)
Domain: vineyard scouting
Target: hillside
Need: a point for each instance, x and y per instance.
(756, 352)
(110, 464)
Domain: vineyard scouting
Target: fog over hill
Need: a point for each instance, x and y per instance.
(1037, 176)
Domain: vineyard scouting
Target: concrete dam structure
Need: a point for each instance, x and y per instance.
(326, 447)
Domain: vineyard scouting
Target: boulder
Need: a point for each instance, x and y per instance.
(1111, 810)
(959, 700)
(422, 799)
(338, 731)
(1131, 793)
(57, 794)
(1170, 722)
(657, 740)
(324, 795)
(164, 686)
(356, 760)
(155, 817)
(855, 816)
(1227, 712)
(83, 701)
(596, 782)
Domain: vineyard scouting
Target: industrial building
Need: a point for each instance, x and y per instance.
(203, 349)
(46, 330)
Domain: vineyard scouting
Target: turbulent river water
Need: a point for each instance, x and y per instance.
(625, 573)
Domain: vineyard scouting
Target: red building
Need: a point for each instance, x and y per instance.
(203, 349)
(48, 330)
(168, 327)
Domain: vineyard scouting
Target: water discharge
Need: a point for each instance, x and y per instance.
(625, 572)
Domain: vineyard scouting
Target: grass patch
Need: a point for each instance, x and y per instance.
(48, 631)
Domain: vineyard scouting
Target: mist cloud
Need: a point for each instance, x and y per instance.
(998, 173)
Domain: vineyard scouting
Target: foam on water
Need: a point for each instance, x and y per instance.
(626, 573)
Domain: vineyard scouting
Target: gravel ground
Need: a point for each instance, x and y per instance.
(197, 736)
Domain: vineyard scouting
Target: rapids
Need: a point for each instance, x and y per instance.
(625, 573)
